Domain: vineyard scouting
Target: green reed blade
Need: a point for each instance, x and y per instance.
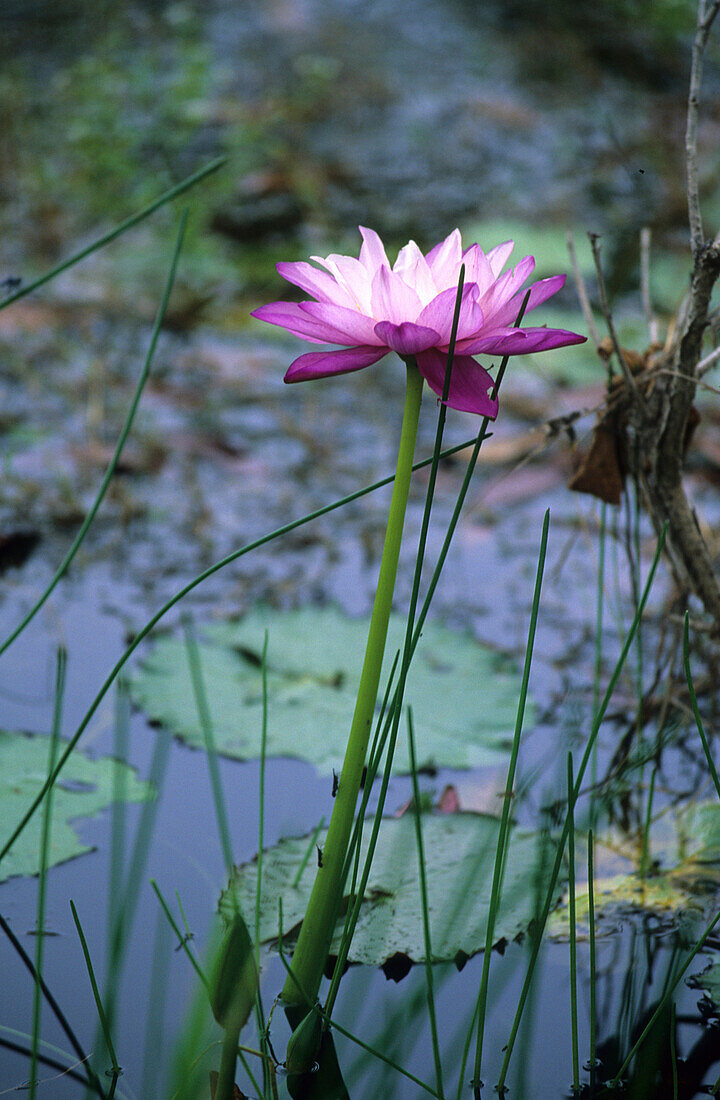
(119, 446)
(597, 667)
(129, 223)
(60, 668)
(182, 937)
(425, 912)
(118, 812)
(126, 902)
(573, 927)
(157, 1008)
(593, 958)
(96, 993)
(205, 720)
(261, 798)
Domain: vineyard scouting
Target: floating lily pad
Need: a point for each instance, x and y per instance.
(681, 886)
(709, 981)
(464, 696)
(85, 786)
(459, 856)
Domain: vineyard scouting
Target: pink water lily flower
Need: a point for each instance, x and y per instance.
(371, 309)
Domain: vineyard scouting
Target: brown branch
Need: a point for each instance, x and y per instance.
(706, 15)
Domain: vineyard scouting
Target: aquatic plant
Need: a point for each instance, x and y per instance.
(423, 309)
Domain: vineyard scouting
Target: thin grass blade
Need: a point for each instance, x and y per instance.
(430, 987)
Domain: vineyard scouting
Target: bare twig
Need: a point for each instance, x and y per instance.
(645, 238)
(706, 15)
(581, 291)
(627, 373)
(707, 363)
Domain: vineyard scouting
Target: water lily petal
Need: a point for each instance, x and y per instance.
(352, 276)
(392, 299)
(444, 260)
(293, 317)
(477, 268)
(498, 256)
(504, 288)
(358, 328)
(520, 341)
(372, 253)
(406, 338)
(439, 313)
(539, 293)
(412, 266)
(320, 284)
(469, 382)
(323, 364)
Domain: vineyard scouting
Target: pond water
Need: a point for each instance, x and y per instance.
(352, 113)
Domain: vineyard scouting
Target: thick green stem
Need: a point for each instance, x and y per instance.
(228, 1063)
(319, 921)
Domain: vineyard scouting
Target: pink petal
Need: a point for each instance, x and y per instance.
(392, 299)
(469, 382)
(477, 268)
(444, 260)
(352, 276)
(505, 287)
(520, 341)
(406, 338)
(358, 328)
(320, 284)
(539, 293)
(499, 255)
(412, 266)
(293, 317)
(323, 364)
(438, 314)
(372, 253)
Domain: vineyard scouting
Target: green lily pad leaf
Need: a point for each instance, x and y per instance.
(464, 696)
(84, 787)
(460, 858)
(709, 981)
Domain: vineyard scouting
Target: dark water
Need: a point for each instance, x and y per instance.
(409, 120)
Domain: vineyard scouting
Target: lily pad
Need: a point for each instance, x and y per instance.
(85, 787)
(464, 695)
(681, 888)
(709, 981)
(460, 858)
